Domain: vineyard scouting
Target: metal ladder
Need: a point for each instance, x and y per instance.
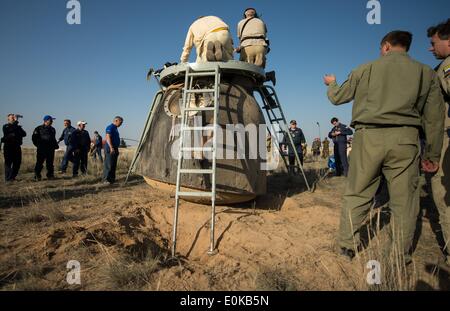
(274, 112)
(188, 91)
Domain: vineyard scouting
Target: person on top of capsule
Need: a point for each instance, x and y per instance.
(212, 39)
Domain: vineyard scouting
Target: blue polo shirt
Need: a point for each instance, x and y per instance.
(115, 137)
(67, 132)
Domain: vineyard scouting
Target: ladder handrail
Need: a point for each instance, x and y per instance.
(214, 158)
(180, 155)
(268, 108)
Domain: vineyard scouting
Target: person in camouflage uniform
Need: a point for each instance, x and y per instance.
(316, 145)
(325, 148)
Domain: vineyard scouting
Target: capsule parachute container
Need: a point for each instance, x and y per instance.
(240, 176)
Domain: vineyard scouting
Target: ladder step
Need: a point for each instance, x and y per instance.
(202, 74)
(198, 128)
(196, 171)
(270, 108)
(200, 91)
(197, 149)
(195, 194)
(199, 109)
(268, 93)
(278, 119)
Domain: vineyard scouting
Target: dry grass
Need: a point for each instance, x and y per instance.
(383, 246)
(86, 212)
(95, 167)
(40, 213)
(31, 275)
(41, 209)
(126, 272)
(276, 279)
(44, 207)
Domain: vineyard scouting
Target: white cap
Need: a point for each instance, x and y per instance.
(81, 122)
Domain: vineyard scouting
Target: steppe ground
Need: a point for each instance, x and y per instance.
(120, 234)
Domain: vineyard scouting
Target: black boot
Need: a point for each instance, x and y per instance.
(348, 254)
(270, 76)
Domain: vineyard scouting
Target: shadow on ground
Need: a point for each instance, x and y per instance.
(18, 198)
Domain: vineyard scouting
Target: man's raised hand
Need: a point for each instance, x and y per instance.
(328, 79)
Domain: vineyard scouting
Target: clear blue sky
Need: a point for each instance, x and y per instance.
(96, 70)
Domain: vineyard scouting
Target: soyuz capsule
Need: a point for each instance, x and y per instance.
(240, 176)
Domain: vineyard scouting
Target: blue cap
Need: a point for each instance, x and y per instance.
(47, 117)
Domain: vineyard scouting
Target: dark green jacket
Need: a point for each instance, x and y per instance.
(395, 90)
